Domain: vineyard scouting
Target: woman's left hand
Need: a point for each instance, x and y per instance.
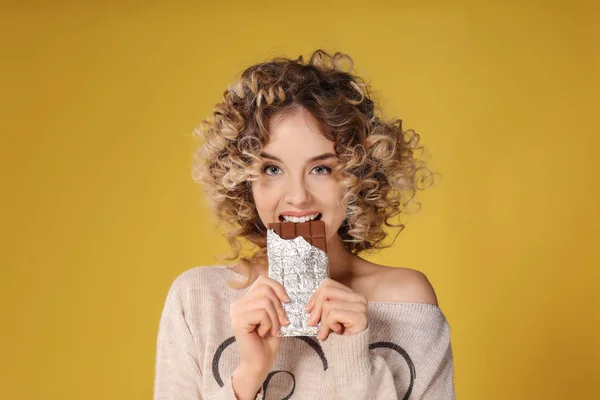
(338, 308)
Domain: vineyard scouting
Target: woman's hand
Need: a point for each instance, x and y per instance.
(255, 319)
(338, 308)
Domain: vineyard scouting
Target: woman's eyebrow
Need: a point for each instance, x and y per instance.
(265, 155)
(321, 157)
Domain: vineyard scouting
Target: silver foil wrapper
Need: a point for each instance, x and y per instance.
(300, 268)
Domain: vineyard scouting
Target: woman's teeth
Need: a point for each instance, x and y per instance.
(289, 218)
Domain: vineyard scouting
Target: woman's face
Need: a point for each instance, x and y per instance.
(295, 182)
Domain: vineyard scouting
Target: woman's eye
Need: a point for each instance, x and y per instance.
(270, 170)
(321, 170)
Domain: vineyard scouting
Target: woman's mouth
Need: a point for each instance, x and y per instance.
(306, 218)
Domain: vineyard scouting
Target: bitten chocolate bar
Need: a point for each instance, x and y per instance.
(297, 254)
(312, 231)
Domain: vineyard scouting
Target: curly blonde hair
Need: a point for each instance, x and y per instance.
(379, 171)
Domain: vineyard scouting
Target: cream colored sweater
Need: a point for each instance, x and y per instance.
(405, 353)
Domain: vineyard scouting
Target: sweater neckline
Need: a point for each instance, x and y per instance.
(434, 307)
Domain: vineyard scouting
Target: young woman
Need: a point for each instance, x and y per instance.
(296, 141)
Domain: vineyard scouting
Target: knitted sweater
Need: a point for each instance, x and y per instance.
(405, 352)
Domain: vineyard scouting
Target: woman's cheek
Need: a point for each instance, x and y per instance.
(266, 194)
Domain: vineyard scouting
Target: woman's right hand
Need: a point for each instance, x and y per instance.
(256, 318)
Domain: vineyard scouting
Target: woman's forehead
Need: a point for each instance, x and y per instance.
(298, 130)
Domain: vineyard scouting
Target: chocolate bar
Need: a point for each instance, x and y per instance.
(297, 254)
(312, 231)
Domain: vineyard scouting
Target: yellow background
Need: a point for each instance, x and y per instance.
(99, 212)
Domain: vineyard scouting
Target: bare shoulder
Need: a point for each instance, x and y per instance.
(399, 284)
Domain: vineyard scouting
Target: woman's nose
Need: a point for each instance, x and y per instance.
(296, 193)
